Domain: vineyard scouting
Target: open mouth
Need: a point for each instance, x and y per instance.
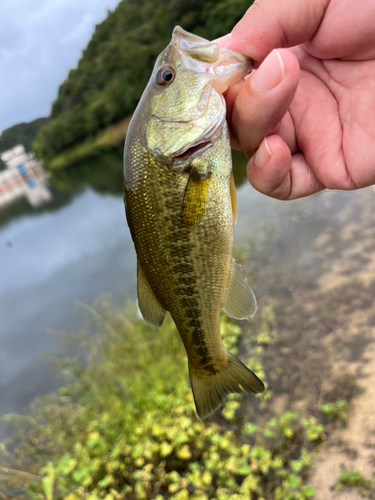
(193, 150)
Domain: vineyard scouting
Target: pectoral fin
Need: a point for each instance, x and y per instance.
(195, 198)
(240, 302)
(150, 308)
(233, 197)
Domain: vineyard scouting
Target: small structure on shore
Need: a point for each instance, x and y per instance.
(23, 176)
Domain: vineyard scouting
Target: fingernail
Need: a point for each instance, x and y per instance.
(263, 154)
(270, 73)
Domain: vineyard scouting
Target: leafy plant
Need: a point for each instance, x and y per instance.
(126, 428)
(336, 410)
(352, 479)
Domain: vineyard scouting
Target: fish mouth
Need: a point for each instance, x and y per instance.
(202, 144)
(192, 151)
(163, 146)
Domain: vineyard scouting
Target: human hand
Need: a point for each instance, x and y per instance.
(306, 117)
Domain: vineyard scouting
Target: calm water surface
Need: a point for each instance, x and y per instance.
(79, 246)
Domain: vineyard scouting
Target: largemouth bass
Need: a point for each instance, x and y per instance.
(181, 206)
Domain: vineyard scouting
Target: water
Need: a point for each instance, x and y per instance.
(79, 246)
(71, 250)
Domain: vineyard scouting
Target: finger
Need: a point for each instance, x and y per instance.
(270, 24)
(346, 32)
(275, 172)
(230, 97)
(319, 130)
(263, 100)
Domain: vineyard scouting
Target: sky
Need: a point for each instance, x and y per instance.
(40, 41)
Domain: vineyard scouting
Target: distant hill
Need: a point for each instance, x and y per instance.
(116, 65)
(22, 133)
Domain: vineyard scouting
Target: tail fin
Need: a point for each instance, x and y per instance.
(210, 388)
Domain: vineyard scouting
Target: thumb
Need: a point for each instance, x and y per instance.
(271, 24)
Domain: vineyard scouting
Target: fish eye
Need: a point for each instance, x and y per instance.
(165, 76)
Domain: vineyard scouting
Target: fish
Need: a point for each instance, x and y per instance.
(181, 207)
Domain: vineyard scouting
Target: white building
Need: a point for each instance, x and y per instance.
(15, 157)
(23, 176)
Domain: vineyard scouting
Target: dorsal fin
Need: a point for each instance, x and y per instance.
(240, 302)
(148, 304)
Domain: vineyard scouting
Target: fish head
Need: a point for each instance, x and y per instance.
(183, 102)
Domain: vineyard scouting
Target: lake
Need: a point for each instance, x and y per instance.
(77, 247)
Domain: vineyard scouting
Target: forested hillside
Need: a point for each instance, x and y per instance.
(115, 66)
(22, 133)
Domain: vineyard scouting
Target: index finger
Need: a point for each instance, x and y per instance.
(271, 24)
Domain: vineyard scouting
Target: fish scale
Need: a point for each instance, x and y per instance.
(187, 268)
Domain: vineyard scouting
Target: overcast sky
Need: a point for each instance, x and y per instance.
(40, 41)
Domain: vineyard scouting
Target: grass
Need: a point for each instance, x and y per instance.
(110, 137)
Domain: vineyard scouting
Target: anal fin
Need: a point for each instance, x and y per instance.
(148, 304)
(240, 302)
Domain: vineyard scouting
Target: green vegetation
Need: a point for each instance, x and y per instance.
(354, 479)
(126, 428)
(116, 65)
(336, 410)
(106, 141)
(22, 133)
(102, 172)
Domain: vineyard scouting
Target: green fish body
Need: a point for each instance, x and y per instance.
(181, 206)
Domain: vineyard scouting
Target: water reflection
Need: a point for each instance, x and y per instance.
(74, 248)
(102, 173)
